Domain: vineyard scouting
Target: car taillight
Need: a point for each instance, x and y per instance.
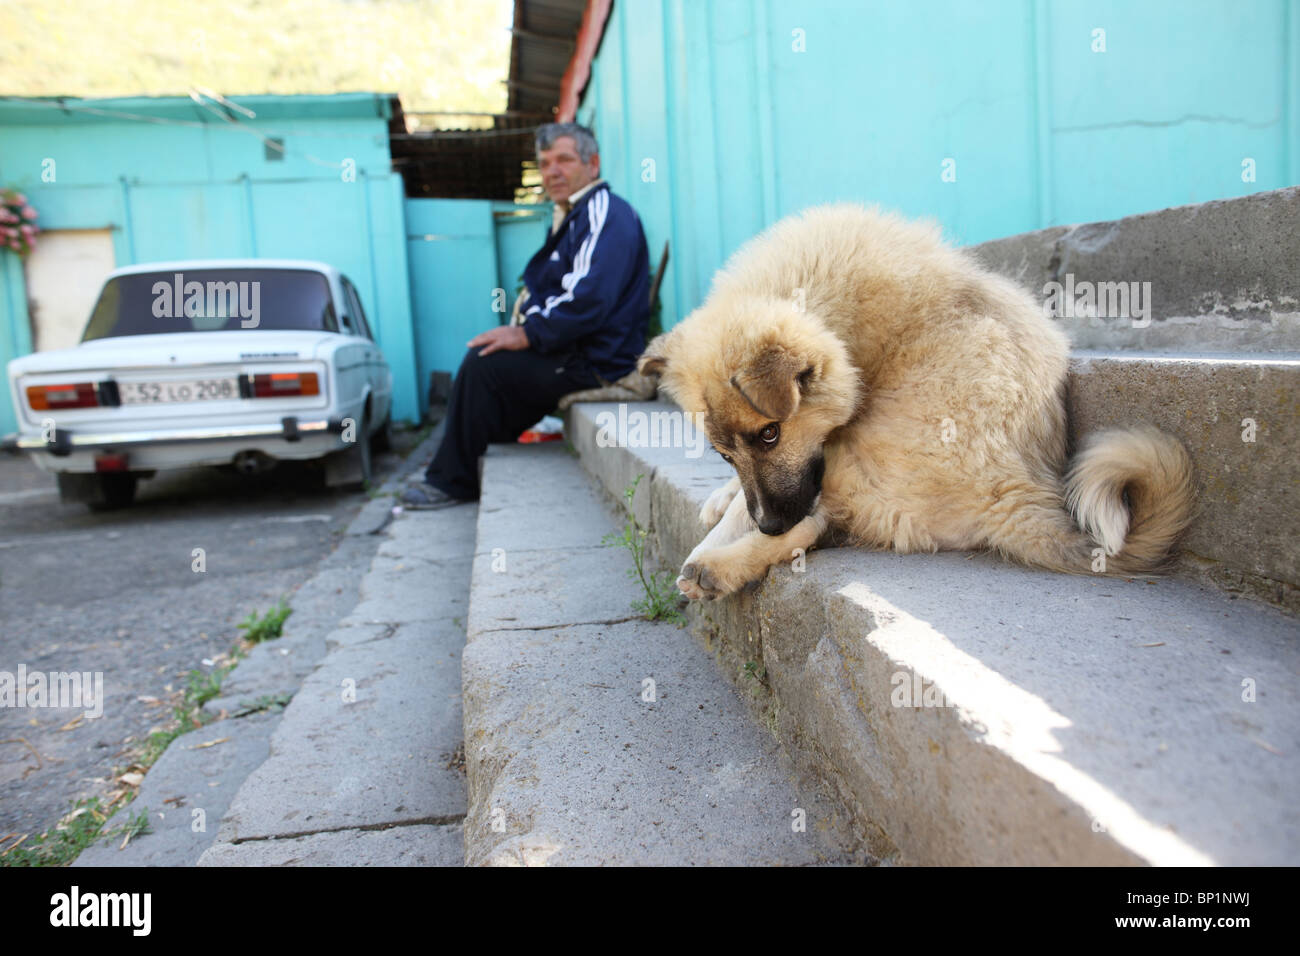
(44, 398)
(285, 384)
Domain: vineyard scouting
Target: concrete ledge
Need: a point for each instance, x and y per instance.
(971, 712)
(1222, 273)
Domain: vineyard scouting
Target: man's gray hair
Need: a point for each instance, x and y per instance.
(582, 137)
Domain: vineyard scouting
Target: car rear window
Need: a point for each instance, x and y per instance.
(212, 300)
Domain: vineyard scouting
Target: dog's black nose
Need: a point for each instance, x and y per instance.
(774, 524)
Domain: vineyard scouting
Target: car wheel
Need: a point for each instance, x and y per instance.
(350, 469)
(382, 439)
(103, 492)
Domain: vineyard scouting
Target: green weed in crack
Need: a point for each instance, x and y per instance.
(660, 602)
(268, 627)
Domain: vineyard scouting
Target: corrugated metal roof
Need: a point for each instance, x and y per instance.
(464, 163)
(489, 163)
(545, 34)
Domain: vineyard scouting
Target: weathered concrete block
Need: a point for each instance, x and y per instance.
(520, 512)
(407, 590)
(1239, 417)
(1039, 718)
(200, 771)
(419, 845)
(446, 534)
(1050, 718)
(365, 742)
(569, 764)
(1222, 273)
(669, 438)
(541, 589)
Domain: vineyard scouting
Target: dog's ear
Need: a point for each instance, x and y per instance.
(655, 358)
(774, 382)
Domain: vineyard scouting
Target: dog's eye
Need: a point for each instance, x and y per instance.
(770, 434)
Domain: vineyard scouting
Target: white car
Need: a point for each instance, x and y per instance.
(207, 362)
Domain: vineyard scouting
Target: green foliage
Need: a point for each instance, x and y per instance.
(436, 54)
(660, 602)
(272, 703)
(61, 844)
(268, 627)
(755, 674)
(201, 688)
(186, 717)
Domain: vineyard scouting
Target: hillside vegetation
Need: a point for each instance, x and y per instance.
(437, 54)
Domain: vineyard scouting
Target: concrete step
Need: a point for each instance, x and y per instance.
(971, 712)
(368, 745)
(1217, 275)
(593, 736)
(1239, 417)
(189, 789)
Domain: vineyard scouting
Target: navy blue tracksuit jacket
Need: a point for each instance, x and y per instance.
(589, 286)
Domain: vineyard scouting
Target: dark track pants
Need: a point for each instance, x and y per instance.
(493, 399)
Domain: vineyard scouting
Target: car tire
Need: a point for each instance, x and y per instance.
(105, 491)
(350, 469)
(382, 439)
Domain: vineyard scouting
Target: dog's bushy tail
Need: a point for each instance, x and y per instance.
(1128, 496)
(1132, 491)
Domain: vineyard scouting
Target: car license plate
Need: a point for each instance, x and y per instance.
(188, 390)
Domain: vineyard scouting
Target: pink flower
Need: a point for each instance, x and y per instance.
(29, 212)
(27, 231)
(7, 216)
(20, 199)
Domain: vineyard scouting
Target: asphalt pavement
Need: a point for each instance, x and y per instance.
(146, 597)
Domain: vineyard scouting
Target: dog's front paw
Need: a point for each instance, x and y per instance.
(717, 504)
(706, 578)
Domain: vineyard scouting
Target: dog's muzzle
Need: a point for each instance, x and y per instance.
(776, 515)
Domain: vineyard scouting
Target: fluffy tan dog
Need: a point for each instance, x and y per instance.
(874, 386)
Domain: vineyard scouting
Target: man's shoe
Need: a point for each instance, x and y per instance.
(425, 497)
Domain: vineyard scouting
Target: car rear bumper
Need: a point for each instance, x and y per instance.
(65, 440)
(290, 438)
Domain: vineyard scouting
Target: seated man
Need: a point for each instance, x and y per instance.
(582, 322)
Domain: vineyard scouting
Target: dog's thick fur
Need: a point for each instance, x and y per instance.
(874, 386)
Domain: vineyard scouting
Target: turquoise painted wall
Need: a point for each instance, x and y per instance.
(184, 183)
(718, 117)
(461, 251)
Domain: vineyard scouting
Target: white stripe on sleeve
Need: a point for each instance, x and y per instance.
(597, 209)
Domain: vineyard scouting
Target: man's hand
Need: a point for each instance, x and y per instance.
(511, 338)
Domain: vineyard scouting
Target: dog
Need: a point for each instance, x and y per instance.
(876, 387)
